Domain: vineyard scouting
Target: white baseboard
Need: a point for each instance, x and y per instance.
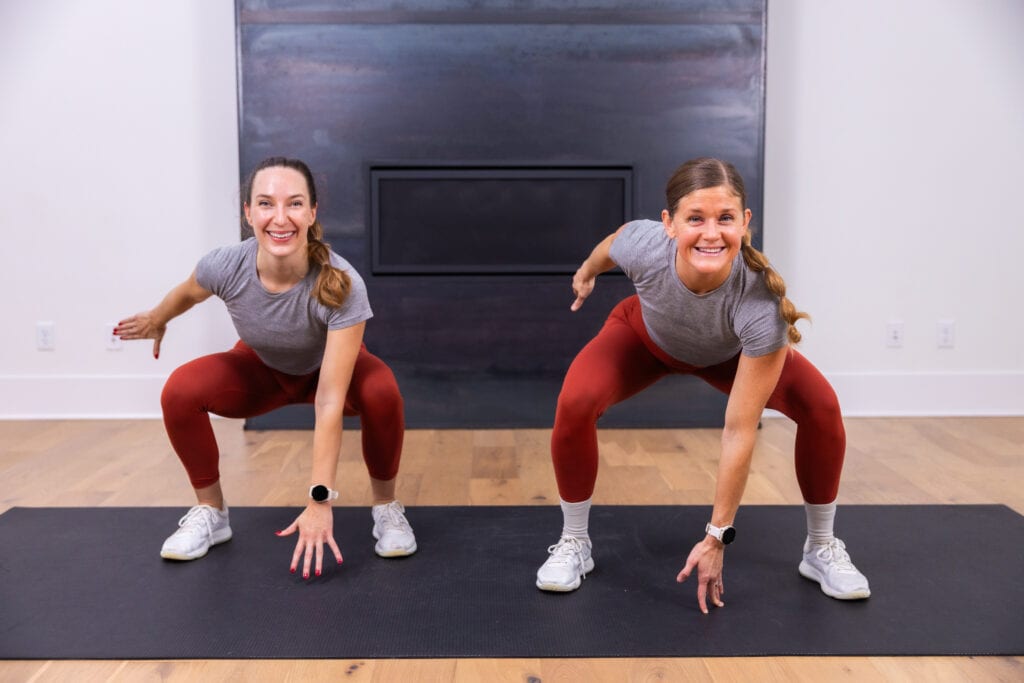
(909, 394)
(32, 397)
(80, 397)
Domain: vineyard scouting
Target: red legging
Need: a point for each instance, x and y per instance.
(237, 384)
(622, 360)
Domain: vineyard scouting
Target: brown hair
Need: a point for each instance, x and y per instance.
(332, 284)
(705, 172)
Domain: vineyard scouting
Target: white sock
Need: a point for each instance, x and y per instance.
(576, 519)
(820, 520)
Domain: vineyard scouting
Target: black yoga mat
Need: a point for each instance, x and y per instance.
(88, 583)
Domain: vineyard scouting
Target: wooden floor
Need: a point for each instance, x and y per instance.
(117, 463)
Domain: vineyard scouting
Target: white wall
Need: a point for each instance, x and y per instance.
(119, 133)
(894, 133)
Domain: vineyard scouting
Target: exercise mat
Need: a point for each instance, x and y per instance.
(88, 583)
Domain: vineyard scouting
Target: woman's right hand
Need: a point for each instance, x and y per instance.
(142, 326)
(582, 285)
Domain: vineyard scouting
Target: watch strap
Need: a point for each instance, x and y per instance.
(725, 534)
(331, 494)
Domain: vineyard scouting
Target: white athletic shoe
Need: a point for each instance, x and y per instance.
(829, 564)
(201, 527)
(392, 531)
(570, 561)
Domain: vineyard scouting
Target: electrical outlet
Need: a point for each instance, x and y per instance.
(894, 334)
(114, 342)
(945, 334)
(46, 336)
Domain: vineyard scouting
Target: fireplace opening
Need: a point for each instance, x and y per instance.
(466, 219)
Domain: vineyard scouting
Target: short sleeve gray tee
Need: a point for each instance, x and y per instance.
(287, 330)
(699, 329)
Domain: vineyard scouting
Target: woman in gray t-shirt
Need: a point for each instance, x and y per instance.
(299, 310)
(707, 304)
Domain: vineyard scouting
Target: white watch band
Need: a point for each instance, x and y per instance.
(331, 494)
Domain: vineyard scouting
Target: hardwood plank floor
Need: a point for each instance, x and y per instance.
(129, 462)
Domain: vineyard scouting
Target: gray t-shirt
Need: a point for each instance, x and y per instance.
(699, 329)
(287, 330)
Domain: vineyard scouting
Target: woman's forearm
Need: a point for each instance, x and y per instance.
(178, 300)
(326, 444)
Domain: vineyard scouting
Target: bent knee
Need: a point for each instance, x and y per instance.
(578, 406)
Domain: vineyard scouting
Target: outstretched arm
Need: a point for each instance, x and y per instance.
(152, 324)
(754, 383)
(316, 523)
(599, 261)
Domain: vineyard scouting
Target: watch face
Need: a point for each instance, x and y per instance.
(319, 493)
(728, 535)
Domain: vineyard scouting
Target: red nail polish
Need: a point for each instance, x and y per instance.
(305, 575)
(277, 533)
(293, 570)
(318, 572)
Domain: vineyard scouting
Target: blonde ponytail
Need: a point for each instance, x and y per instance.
(758, 262)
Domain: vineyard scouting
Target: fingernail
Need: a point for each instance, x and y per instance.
(340, 561)
(293, 570)
(305, 575)
(277, 533)
(318, 572)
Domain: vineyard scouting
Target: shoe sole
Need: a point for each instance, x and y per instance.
(397, 552)
(809, 572)
(588, 567)
(184, 557)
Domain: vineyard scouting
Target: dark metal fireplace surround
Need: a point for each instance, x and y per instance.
(469, 155)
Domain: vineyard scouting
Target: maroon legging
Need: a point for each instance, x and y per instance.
(622, 360)
(238, 384)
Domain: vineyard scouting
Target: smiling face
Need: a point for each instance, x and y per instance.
(708, 226)
(280, 212)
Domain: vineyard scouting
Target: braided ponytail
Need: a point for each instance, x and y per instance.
(705, 172)
(332, 284)
(758, 262)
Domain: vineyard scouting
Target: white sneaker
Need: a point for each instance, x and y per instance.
(392, 531)
(201, 527)
(569, 562)
(829, 564)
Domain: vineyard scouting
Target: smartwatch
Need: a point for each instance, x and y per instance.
(321, 493)
(726, 534)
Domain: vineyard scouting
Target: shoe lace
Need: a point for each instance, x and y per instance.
(391, 517)
(565, 551)
(834, 553)
(196, 518)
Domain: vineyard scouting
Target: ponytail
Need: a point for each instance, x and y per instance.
(758, 262)
(332, 284)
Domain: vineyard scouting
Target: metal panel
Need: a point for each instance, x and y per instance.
(650, 84)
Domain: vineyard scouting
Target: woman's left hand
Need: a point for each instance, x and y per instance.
(316, 527)
(707, 557)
